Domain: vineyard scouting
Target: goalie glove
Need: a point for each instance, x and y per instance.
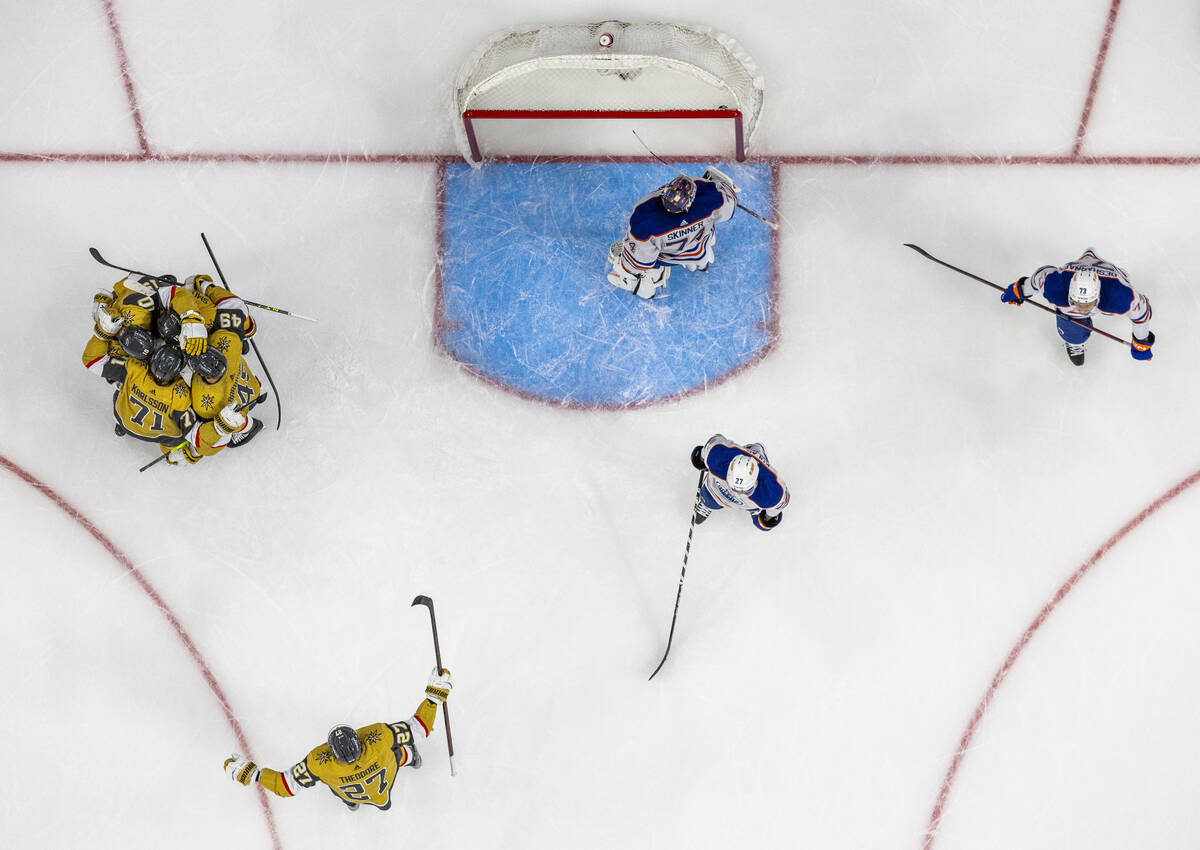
(721, 177)
(439, 686)
(242, 771)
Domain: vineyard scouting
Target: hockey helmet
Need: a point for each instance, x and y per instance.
(678, 195)
(210, 364)
(344, 743)
(167, 325)
(137, 342)
(1084, 292)
(166, 364)
(743, 474)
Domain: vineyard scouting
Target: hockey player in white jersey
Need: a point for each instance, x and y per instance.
(1080, 288)
(675, 225)
(739, 477)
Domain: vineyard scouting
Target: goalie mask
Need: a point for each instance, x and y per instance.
(743, 474)
(344, 743)
(1084, 292)
(678, 195)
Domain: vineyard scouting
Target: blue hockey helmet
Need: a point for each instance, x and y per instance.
(344, 744)
(678, 195)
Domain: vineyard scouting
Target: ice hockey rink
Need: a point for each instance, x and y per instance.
(975, 627)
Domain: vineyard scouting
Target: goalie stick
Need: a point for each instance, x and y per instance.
(765, 221)
(1040, 306)
(437, 655)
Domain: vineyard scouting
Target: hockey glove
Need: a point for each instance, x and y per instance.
(765, 522)
(439, 686)
(242, 771)
(198, 283)
(178, 454)
(1014, 294)
(698, 459)
(1140, 348)
(193, 335)
(717, 176)
(230, 419)
(107, 324)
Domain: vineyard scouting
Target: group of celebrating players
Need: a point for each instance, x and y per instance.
(176, 354)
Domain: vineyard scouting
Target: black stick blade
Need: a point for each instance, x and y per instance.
(423, 600)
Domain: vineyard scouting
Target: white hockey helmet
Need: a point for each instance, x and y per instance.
(1084, 292)
(743, 474)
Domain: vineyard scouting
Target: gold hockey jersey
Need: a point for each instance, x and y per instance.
(386, 747)
(146, 409)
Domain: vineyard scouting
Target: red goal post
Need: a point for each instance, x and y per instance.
(609, 70)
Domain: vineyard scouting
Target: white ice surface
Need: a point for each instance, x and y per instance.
(950, 469)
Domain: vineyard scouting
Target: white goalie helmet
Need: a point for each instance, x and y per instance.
(743, 474)
(1084, 292)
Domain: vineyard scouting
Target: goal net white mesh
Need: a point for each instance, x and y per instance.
(611, 69)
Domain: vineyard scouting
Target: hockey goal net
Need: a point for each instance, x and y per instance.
(611, 70)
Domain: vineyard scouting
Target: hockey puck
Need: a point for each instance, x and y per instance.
(606, 39)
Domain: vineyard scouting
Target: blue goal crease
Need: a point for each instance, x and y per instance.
(525, 302)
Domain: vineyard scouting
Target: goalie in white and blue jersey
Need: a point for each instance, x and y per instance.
(1080, 288)
(738, 477)
(675, 225)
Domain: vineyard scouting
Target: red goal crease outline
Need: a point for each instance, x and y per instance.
(127, 565)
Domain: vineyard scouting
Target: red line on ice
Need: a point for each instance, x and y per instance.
(1097, 67)
(164, 609)
(123, 59)
(964, 744)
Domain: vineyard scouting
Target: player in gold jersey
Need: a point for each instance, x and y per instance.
(153, 402)
(358, 765)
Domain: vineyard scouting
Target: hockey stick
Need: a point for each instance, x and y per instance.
(765, 221)
(99, 259)
(686, 551)
(164, 456)
(266, 371)
(1040, 306)
(437, 654)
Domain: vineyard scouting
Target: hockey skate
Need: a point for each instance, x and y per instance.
(1075, 353)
